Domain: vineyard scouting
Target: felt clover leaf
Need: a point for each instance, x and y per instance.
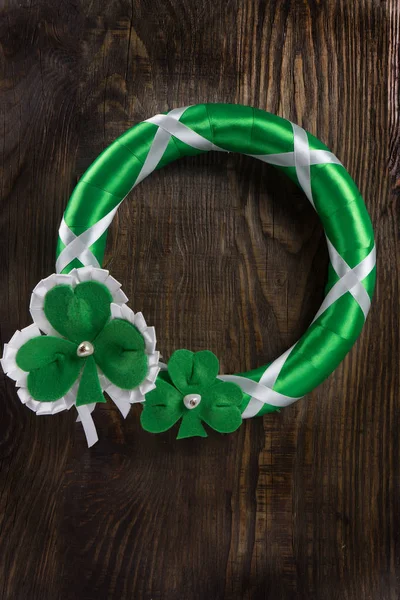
(82, 316)
(94, 343)
(191, 391)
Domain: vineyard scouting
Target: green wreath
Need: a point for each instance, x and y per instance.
(119, 355)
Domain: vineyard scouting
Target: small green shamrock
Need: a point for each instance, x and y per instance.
(90, 340)
(191, 392)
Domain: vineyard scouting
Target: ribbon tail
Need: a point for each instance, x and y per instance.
(91, 408)
(123, 406)
(88, 424)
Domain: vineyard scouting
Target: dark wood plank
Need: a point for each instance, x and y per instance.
(219, 253)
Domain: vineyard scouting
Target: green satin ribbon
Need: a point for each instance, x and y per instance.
(247, 130)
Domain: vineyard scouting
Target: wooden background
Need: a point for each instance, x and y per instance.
(221, 253)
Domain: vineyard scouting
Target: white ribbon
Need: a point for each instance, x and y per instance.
(88, 425)
(86, 419)
(263, 392)
(301, 158)
(158, 146)
(79, 245)
(289, 159)
(350, 280)
(182, 132)
(67, 237)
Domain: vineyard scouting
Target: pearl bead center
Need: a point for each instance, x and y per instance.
(192, 400)
(85, 349)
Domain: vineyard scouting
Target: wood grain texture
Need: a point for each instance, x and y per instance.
(220, 253)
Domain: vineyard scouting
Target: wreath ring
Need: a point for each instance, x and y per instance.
(85, 340)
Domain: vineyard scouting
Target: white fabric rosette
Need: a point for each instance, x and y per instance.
(121, 397)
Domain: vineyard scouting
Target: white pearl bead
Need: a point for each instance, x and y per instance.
(192, 400)
(85, 349)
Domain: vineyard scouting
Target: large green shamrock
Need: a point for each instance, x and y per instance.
(81, 315)
(191, 391)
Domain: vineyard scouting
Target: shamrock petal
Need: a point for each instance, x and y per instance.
(120, 354)
(224, 419)
(79, 313)
(50, 383)
(222, 412)
(162, 409)
(89, 390)
(191, 426)
(42, 350)
(73, 278)
(193, 372)
(225, 393)
(52, 364)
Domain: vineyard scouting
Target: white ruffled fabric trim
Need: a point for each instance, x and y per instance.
(122, 398)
